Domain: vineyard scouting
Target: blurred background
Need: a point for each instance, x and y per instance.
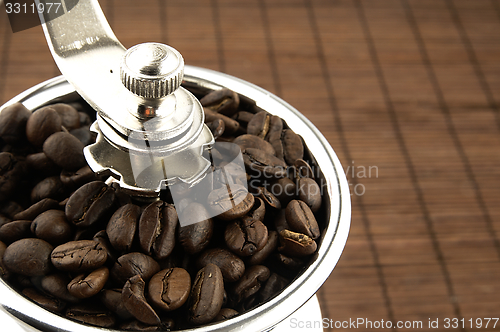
(408, 94)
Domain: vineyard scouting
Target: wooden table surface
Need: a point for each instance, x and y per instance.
(409, 89)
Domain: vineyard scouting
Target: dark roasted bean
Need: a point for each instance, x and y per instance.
(231, 266)
(13, 120)
(39, 207)
(230, 202)
(135, 302)
(65, 150)
(284, 189)
(50, 187)
(122, 225)
(70, 119)
(303, 168)
(44, 301)
(4, 272)
(206, 297)
(39, 162)
(41, 124)
(250, 283)
(259, 124)
(252, 141)
(75, 179)
(134, 263)
(260, 256)
(223, 101)
(258, 211)
(112, 299)
(195, 237)
(77, 256)
(29, 257)
(310, 193)
(296, 244)
(273, 285)
(225, 313)
(230, 126)
(91, 314)
(293, 148)
(301, 219)
(52, 226)
(217, 127)
(246, 236)
(269, 199)
(274, 135)
(89, 203)
(169, 289)
(15, 230)
(263, 164)
(57, 286)
(86, 285)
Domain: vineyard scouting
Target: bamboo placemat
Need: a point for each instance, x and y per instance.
(406, 89)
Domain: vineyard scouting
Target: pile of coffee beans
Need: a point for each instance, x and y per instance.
(80, 246)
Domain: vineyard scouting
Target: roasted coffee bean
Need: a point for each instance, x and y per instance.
(10, 208)
(44, 301)
(269, 199)
(15, 230)
(274, 135)
(263, 164)
(195, 237)
(243, 117)
(231, 266)
(285, 190)
(89, 203)
(310, 193)
(13, 120)
(303, 168)
(301, 219)
(38, 208)
(122, 225)
(245, 236)
(135, 302)
(223, 101)
(29, 257)
(230, 202)
(52, 226)
(87, 285)
(169, 289)
(250, 283)
(112, 299)
(75, 179)
(65, 150)
(11, 179)
(50, 187)
(56, 285)
(70, 119)
(102, 238)
(78, 256)
(205, 299)
(137, 326)
(293, 148)
(273, 285)
(134, 263)
(41, 124)
(260, 256)
(258, 211)
(252, 141)
(217, 127)
(5, 219)
(230, 126)
(92, 315)
(225, 313)
(7, 161)
(157, 226)
(259, 124)
(4, 273)
(84, 135)
(296, 244)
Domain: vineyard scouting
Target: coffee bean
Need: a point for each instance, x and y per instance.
(284, 189)
(13, 120)
(29, 257)
(310, 193)
(49, 303)
(50, 187)
(169, 289)
(15, 230)
(263, 164)
(89, 203)
(274, 135)
(225, 313)
(84, 135)
(112, 299)
(258, 211)
(217, 127)
(230, 126)
(92, 315)
(259, 124)
(205, 299)
(293, 148)
(56, 285)
(137, 326)
(75, 179)
(195, 237)
(261, 255)
(78, 256)
(87, 285)
(134, 263)
(231, 266)
(296, 244)
(269, 199)
(223, 101)
(135, 302)
(39, 162)
(230, 202)
(273, 285)
(11, 178)
(65, 150)
(39, 207)
(245, 236)
(157, 227)
(70, 118)
(301, 219)
(121, 227)
(4, 272)
(41, 124)
(102, 238)
(250, 283)
(303, 168)
(52, 226)
(252, 141)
